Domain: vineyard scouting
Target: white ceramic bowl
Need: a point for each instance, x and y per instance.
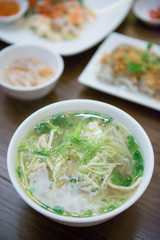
(86, 105)
(23, 4)
(43, 54)
(141, 10)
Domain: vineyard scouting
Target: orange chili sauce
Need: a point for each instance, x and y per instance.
(8, 8)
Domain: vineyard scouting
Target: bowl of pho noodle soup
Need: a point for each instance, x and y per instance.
(80, 162)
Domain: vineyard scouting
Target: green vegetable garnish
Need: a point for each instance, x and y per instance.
(81, 2)
(59, 210)
(139, 163)
(23, 146)
(19, 171)
(127, 181)
(117, 127)
(46, 127)
(132, 143)
(145, 64)
(119, 179)
(42, 153)
(32, 190)
(145, 57)
(59, 119)
(155, 62)
(113, 205)
(77, 130)
(135, 67)
(70, 124)
(42, 127)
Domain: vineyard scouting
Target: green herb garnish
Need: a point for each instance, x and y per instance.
(81, 2)
(138, 166)
(42, 127)
(113, 205)
(135, 67)
(117, 127)
(59, 210)
(144, 65)
(32, 190)
(132, 143)
(41, 153)
(119, 179)
(19, 171)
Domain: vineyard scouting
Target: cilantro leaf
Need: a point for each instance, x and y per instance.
(42, 127)
(135, 67)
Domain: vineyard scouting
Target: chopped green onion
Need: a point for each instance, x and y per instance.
(19, 171)
(59, 210)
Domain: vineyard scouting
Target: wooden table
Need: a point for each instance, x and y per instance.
(142, 220)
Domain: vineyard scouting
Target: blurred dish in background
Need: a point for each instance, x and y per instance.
(148, 11)
(109, 15)
(146, 62)
(57, 20)
(137, 69)
(155, 13)
(11, 10)
(8, 8)
(28, 72)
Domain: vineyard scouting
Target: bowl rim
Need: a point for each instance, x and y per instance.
(23, 4)
(93, 219)
(55, 55)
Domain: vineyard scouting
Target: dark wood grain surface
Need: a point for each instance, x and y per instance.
(142, 220)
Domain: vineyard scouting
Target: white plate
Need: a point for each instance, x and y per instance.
(110, 14)
(141, 9)
(88, 76)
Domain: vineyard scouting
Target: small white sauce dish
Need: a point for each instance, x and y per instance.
(24, 51)
(73, 106)
(141, 9)
(23, 4)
